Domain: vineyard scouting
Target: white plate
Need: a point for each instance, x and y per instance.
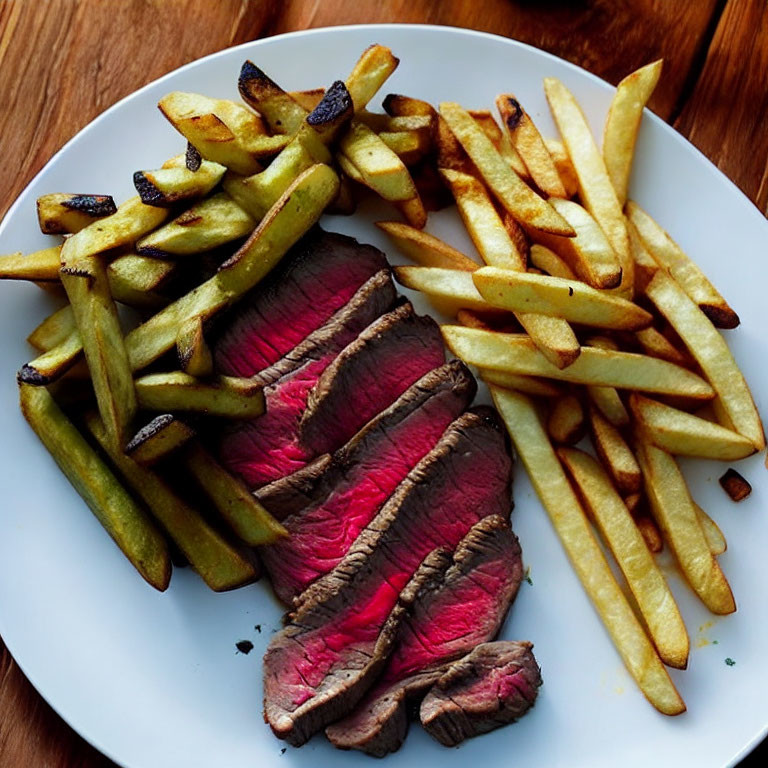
(155, 680)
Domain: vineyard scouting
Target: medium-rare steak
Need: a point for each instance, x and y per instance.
(319, 666)
(494, 685)
(244, 447)
(461, 608)
(318, 276)
(388, 356)
(332, 502)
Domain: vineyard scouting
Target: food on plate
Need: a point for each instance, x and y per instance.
(712, 532)
(175, 182)
(616, 455)
(53, 330)
(566, 423)
(64, 214)
(140, 281)
(158, 439)
(194, 354)
(735, 485)
(425, 249)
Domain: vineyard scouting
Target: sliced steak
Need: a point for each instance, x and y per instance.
(329, 508)
(247, 448)
(321, 664)
(494, 685)
(370, 373)
(317, 277)
(462, 608)
(274, 447)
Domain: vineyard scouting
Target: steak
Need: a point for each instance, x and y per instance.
(246, 448)
(330, 503)
(319, 666)
(383, 361)
(494, 685)
(466, 605)
(318, 276)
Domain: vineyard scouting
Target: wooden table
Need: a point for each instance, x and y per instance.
(65, 61)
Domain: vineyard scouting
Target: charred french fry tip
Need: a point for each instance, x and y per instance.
(158, 439)
(735, 485)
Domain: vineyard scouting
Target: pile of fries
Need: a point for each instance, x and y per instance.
(582, 304)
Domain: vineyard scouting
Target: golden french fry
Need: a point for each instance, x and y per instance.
(587, 559)
(529, 385)
(656, 344)
(62, 214)
(676, 515)
(712, 533)
(500, 139)
(623, 123)
(40, 266)
(650, 533)
(138, 280)
(158, 440)
(645, 580)
(370, 72)
(515, 353)
(550, 263)
(389, 124)
(53, 330)
(668, 254)
(54, 362)
(397, 105)
(281, 112)
(711, 352)
(564, 166)
(684, 434)
(547, 295)
(615, 454)
(169, 185)
(425, 249)
(409, 146)
(607, 399)
(566, 423)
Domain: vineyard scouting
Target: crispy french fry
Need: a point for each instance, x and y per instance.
(711, 352)
(656, 344)
(370, 72)
(500, 139)
(549, 262)
(645, 580)
(236, 504)
(194, 354)
(158, 440)
(547, 295)
(409, 146)
(735, 485)
(512, 192)
(650, 533)
(121, 516)
(53, 330)
(675, 514)
(389, 124)
(564, 166)
(684, 434)
(63, 214)
(668, 254)
(425, 249)
(53, 363)
(595, 188)
(529, 385)
(607, 399)
(712, 533)
(308, 99)
(170, 185)
(566, 423)
(138, 280)
(397, 105)
(40, 266)
(219, 564)
(587, 559)
(615, 454)
(515, 353)
(281, 112)
(623, 123)
(526, 139)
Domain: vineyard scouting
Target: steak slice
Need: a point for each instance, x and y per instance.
(274, 447)
(246, 447)
(318, 276)
(321, 664)
(329, 508)
(494, 685)
(466, 605)
(371, 372)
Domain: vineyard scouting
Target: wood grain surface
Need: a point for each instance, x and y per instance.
(62, 62)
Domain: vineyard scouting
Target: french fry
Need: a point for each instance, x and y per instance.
(634, 502)
(397, 105)
(566, 423)
(225, 396)
(158, 440)
(684, 434)
(649, 588)
(38, 266)
(656, 344)
(370, 72)
(712, 533)
(587, 559)
(547, 295)
(53, 363)
(650, 533)
(668, 254)
(529, 385)
(217, 562)
(235, 503)
(515, 353)
(308, 99)
(735, 485)
(623, 123)
(549, 262)
(711, 352)
(615, 454)
(607, 399)
(389, 124)
(675, 514)
(595, 188)
(564, 166)
(500, 139)
(450, 153)
(526, 139)
(280, 111)
(53, 330)
(194, 354)
(138, 280)
(512, 192)
(170, 185)
(63, 214)
(122, 518)
(409, 146)
(425, 249)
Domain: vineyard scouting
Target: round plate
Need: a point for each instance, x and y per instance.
(155, 679)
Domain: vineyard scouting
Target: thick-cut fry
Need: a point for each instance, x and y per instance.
(388, 124)
(280, 111)
(615, 454)
(564, 166)
(219, 564)
(570, 523)
(623, 123)
(158, 439)
(526, 139)
(53, 330)
(656, 344)
(549, 262)
(138, 281)
(235, 503)
(515, 353)
(668, 254)
(684, 434)
(595, 188)
(397, 105)
(425, 249)
(530, 385)
(711, 352)
(54, 362)
(309, 99)
(170, 185)
(607, 399)
(121, 516)
(500, 139)
(675, 513)
(40, 266)
(650, 532)
(712, 533)
(735, 485)
(63, 214)
(370, 72)
(547, 295)
(512, 192)
(225, 396)
(566, 423)
(194, 354)
(409, 146)
(645, 580)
